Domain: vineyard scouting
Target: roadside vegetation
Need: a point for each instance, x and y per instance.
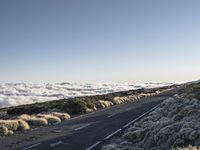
(26, 122)
(26, 117)
(173, 125)
(7, 127)
(187, 148)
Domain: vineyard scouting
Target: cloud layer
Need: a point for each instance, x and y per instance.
(27, 93)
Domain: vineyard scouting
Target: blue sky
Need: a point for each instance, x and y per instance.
(99, 40)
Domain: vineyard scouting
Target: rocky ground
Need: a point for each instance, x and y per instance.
(174, 125)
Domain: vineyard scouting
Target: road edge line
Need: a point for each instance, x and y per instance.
(31, 146)
(123, 128)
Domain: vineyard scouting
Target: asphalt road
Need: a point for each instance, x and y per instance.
(88, 129)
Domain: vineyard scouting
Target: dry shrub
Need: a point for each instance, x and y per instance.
(10, 124)
(3, 130)
(117, 100)
(107, 103)
(89, 110)
(37, 121)
(134, 135)
(51, 119)
(136, 97)
(62, 116)
(33, 120)
(158, 92)
(99, 104)
(23, 125)
(10, 132)
(103, 104)
(132, 98)
(25, 117)
(187, 148)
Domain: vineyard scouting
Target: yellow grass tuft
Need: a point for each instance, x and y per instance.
(3, 130)
(62, 116)
(10, 124)
(10, 132)
(104, 104)
(117, 100)
(51, 119)
(33, 120)
(23, 125)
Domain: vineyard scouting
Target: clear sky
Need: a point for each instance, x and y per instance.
(99, 40)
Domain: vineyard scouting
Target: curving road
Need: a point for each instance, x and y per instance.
(84, 131)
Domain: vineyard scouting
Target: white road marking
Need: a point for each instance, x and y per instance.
(58, 143)
(55, 144)
(141, 116)
(57, 131)
(82, 127)
(127, 109)
(35, 129)
(109, 136)
(93, 146)
(31, 146)
(112, 115)
(125, 126)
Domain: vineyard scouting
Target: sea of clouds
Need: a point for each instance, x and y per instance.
(13, 94)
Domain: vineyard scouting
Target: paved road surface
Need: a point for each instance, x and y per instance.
(87, 130)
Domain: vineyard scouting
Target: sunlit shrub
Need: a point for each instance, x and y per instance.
(3, 130)
(50, 119)
(10, 132)
(62, 116)
(187, 148)
(10, 124)
(33, 120)
(23, 125)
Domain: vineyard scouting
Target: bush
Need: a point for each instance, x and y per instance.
(10, 124)
(38, 122)
(3, 130)
(10, 132)
(50, 119)
(103, 104)
(33, 120)
(134, 135)
(195, 89)
(117, 100)
(187, 148)
(90, 105)
(100, 105)
(110, 147)
(62, 116)
(107, 103)
(74, 107)
(25, 117)
(23, 125)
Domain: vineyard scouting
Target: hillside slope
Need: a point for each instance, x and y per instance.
(176, 123)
